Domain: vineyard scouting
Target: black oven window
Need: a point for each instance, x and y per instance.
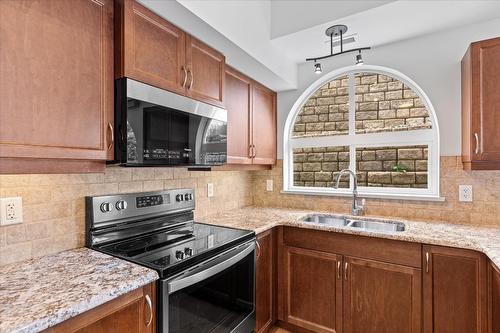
(217, 304)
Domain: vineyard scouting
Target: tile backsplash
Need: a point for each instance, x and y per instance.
(53, 205)
(484, 210)
(54, 214)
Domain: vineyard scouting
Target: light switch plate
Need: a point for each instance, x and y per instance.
(11, 210)
(465, 193)
(269, 185)
(210, 190)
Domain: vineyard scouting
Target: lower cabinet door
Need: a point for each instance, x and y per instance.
(264, 281)
(454, 290)
(494, 300)
(381, 297)
(313, 286)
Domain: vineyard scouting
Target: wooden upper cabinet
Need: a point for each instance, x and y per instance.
(134, 312)
(481, 105)
(251, 123)
(237, 102)
(152, 50)
(148, 48)
(264, 125)
(454, 290)
(312, 285)
(381, 297)
(56, 82)
(264, 282)
(205, 68)
(494, 299)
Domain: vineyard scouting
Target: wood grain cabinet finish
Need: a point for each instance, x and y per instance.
(148, 48)
(264, 282)
(251, 120)
(381, 297)
(494, 299)
(129, 313)
(454, 290)
(205, 72)
(264, 125)
(481, 105)
(313, 289)
(56, 82)
(152, 50)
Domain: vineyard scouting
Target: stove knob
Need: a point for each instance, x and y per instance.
(121, 205)
(188, 251)
(106, 207)
(190, 197)
(186, 197)
(179, 255)
(179, 197)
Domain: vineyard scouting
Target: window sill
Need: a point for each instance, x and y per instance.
(361, 194)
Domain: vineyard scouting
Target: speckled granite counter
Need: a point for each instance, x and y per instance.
(39, 293)
(259, 219)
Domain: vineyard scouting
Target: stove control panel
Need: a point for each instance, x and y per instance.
(107, 208)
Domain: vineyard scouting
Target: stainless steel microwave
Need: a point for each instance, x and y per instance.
(155, 127)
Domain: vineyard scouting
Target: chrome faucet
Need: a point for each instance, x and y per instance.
(357, 208)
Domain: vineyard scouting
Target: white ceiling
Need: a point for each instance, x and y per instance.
(280, 34)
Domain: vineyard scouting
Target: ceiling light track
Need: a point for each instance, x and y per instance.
(338, 30)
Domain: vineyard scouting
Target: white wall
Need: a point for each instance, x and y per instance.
(432, 61)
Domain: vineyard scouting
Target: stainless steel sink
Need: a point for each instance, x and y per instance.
(330, 220)
(377, 225)
(344, 222)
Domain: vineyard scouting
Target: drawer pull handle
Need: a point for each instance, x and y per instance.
(150, 306)
(112, 134)
(477, 143)
(338, 270)
(258, 250)
(346, 265)
(427, 262)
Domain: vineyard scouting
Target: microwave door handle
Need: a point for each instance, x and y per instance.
(212, 270)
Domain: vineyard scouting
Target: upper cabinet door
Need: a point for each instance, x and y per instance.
(149, 49)
(237, 102)
(454, 290)
(381, 297)
(205, 68)
(56, 80)
(264, 125)
(481, 105)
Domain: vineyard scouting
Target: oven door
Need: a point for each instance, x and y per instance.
(216, 296)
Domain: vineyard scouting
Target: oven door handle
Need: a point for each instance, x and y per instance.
(225, 261)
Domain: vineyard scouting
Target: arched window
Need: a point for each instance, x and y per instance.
(372, 120)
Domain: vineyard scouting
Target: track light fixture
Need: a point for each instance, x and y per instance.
(338, 31)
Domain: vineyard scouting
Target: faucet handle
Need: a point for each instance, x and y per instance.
(359, 209)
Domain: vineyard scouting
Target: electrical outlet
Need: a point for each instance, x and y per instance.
(210, 190)
(465, 193)
(269, 185)
(11, 210)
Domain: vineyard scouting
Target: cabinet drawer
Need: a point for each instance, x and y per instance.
(386, 250)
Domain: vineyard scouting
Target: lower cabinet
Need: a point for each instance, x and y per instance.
(133, 312)
(381, 297)
(454, 290)
(264, 282)
(494, 299)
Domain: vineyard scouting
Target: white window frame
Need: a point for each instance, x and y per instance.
(429, 137)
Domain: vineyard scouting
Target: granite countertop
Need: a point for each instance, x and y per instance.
(42, 292)
(259, 219)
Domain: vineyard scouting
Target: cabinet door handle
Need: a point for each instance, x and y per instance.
(190, 81)
(427, 262)
(112, 134)
(254, 151)
(185, 76)
(477, 143)
(250, 153)
(150, 306)
(257, 252)
(338, 270)
(346, 265)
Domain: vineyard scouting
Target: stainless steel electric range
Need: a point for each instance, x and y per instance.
(207, 273)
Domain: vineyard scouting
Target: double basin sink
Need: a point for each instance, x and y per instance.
(339, 221)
